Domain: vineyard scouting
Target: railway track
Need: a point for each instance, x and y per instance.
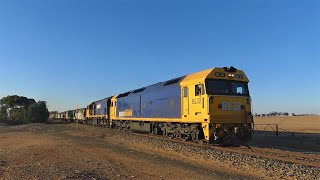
(284, 156)
(274, 154)
(309, 160)
(270, 162)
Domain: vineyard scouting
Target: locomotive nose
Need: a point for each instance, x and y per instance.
(229, 109)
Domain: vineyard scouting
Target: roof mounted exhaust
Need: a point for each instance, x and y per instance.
(231, 69)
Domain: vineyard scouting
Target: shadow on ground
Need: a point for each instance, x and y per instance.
(13, 122)
(300, 142)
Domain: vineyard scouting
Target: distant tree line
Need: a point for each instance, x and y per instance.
(19, 109)
(274, 113)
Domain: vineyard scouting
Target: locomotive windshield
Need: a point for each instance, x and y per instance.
(225, 87)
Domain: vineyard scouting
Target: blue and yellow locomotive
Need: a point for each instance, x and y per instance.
(212, 105)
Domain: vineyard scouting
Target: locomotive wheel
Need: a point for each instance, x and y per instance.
(164, 132)
(195, 136)
(156, 130)
(178, 134)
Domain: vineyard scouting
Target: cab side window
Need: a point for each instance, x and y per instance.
(202, 89)
(185, 92)
(198, 89)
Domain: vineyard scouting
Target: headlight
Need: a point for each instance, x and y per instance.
(239, 76)
(220, 74)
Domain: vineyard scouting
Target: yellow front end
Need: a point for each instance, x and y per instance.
(224, 109)
(230, 117)
(218, 99)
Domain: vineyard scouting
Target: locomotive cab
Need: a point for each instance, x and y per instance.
(219, 99)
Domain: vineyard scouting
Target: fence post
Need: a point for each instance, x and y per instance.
(277, 132)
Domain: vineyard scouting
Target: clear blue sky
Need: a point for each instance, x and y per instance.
(72, 52)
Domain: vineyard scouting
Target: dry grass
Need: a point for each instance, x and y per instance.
(304, 124)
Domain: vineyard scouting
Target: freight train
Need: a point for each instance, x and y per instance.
(213, 105)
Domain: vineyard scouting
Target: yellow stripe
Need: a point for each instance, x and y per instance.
(97, 116)
(159, 120)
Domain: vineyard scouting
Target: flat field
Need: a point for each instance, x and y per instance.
(296, 133)
(301, 124)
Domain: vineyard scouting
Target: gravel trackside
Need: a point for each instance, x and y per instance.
(75, 151)
(60, 151)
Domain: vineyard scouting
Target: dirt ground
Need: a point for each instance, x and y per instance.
(60, 151)
(75, 151)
